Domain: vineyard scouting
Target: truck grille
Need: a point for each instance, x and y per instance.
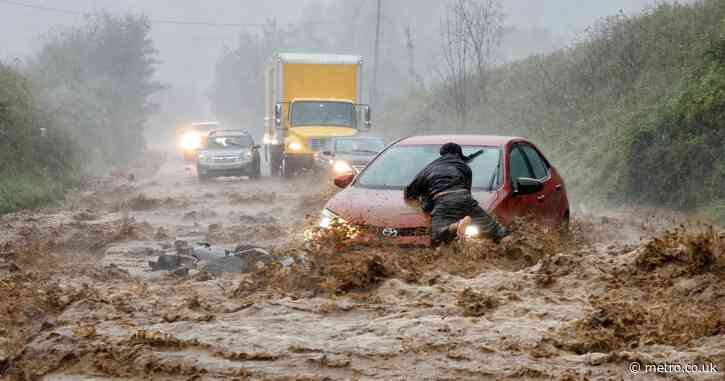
(316, 144)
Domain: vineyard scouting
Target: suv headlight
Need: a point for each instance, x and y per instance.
(203, 158)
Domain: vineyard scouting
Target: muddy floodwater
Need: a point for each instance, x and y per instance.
(624, 292)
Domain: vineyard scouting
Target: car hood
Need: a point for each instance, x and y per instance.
(385, 208)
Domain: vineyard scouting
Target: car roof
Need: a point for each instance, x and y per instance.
(479, 140)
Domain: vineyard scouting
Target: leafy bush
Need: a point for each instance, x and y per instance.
(35, 165)
(80, 106)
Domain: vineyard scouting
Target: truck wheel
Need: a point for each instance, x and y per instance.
(286, 167)
(275, 161)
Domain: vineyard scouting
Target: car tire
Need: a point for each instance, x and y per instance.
(565, 227)
(256, 171)
(200, 176)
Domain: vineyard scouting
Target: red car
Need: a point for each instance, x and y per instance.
(511, 178)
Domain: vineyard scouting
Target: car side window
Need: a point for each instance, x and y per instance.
(538, 165)
(517, 165)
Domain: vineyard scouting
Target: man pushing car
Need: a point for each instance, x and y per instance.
(444, 190)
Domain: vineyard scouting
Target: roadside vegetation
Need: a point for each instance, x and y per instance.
(78, 107)
(633, 112)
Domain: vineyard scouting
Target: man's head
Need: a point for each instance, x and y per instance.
(452, 148)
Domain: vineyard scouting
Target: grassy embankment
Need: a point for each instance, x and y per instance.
(633, 113)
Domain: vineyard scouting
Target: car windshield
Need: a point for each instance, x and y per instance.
(229, 142)
(308, 113)
(398, 165)
(359, 145)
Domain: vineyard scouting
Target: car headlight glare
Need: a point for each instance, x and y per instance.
(326, 218)
(295, 146)
(342, 167)
(190, 141)
(472, 231)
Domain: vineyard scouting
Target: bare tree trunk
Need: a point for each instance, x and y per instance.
(457, 61)
(483, 20)
(472, 31)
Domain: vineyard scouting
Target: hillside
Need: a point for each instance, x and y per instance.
(631, 113)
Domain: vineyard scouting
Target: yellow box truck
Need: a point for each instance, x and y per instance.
(310, 98)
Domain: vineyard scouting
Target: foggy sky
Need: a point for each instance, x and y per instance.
(188, 53)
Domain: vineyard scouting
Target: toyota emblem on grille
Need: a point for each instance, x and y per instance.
(390, 233)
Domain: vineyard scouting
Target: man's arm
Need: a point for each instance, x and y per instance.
(416, 187)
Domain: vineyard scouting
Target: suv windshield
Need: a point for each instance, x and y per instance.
(359, 145)
(397, 166)
(310, 113)
(229, 142)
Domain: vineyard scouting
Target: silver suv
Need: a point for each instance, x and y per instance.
(228, 153)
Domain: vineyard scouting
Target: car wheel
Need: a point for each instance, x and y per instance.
(256, 171)
(564, 228)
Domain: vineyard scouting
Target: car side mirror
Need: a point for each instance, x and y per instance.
(278, 114)
(525, 185)
(343, 181)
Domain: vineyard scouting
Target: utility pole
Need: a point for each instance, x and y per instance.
(374, 87)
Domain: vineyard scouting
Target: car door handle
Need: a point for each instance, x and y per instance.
(541, 198)
(558, 187)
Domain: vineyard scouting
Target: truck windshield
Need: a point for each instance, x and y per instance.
(310, 113)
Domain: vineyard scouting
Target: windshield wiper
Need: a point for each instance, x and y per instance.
(494, 176)
(364, 151)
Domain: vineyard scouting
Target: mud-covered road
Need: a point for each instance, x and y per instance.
(79, 301)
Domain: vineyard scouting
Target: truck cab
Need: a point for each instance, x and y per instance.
(311, 98)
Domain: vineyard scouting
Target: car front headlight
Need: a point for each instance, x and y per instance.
(327, 218)
(472, 231)
(341, 167)
(190, 141)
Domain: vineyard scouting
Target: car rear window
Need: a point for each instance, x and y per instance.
(225, 142)
(398, 165)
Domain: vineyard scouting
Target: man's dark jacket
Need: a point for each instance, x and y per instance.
(447, 173)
